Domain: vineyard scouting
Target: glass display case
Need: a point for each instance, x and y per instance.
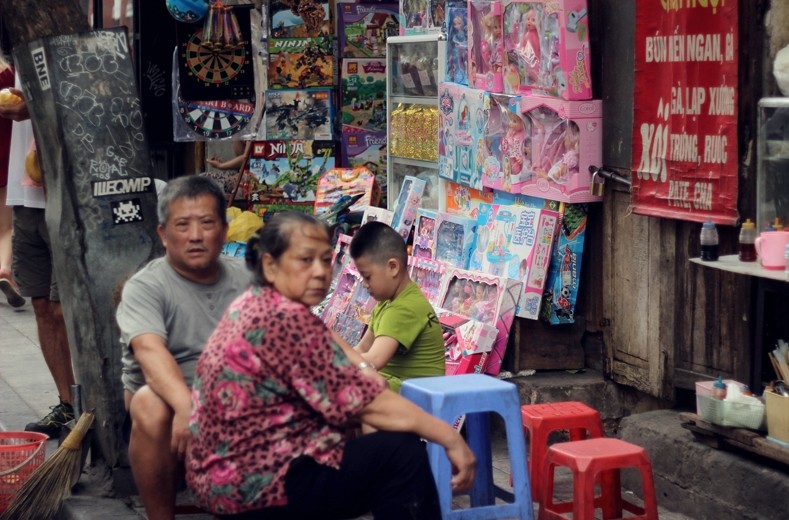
(772, 183)
(414, 70)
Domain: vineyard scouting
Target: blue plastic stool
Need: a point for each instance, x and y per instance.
(449, 397)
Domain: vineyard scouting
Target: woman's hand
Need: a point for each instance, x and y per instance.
(464, 465)
(181, 436)
(17, 111)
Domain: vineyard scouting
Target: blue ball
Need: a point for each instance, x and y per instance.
(188, 11)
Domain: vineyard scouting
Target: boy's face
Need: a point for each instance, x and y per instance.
(380, 279)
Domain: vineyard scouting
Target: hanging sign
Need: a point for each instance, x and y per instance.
(685, 110)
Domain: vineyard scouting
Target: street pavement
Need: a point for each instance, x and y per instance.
(27, 391)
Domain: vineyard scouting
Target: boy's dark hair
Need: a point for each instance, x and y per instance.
(379, 242)
(274, 238)
(190, 187)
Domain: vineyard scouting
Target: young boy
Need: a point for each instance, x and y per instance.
(404, 338)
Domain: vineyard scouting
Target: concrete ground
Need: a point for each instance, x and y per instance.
(27, 392)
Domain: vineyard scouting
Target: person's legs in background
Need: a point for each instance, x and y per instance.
(32, 268)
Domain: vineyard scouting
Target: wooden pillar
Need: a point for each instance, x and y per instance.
(101, 199)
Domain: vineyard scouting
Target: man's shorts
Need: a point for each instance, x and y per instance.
(32, 264)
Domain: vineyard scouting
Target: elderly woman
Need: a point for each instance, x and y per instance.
(276, 393)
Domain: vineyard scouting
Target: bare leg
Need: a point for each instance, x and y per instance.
(154, 465)
(54, 344)
(5, 234)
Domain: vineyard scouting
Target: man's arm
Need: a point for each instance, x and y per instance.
(164, 377)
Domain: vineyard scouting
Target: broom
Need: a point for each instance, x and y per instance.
(41, 496)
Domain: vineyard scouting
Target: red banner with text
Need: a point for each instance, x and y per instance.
(685, 110)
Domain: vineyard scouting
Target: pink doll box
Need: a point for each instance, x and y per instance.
(343, 293)
(466, 336)
(425, 235)
(471, 364)
(340, 257)
(486, 45)
(408, 202)
(454, 239)
(428, 275)
(546, 44)
(487, 298)
(566, 138)
(507, 157)
(462, 121)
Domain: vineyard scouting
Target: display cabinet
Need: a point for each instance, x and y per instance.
(415, 67)
(772, 185)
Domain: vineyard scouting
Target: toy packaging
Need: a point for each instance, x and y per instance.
(301, 18)
(350, 307)
(346, 182)
(464, 201)
(363, 92)
(564, 275)
(408, 201)
(463, 112)
(413, 130)
(428, 275)
(368, 149)
(416, 69)
(425, 235)
(566, 138)
(301, 63)
(485, 45)
(546, 45)
(516, 242)
(507, 154)
(287, 172)
(299, 114)
(365, 27)
(376, 214)
(421, 16)
(340, 256)
(457, 45)
(464, 336)
(454, 239)
(486, 298)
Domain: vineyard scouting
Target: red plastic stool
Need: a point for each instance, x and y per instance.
(540, 420)
(588, 460)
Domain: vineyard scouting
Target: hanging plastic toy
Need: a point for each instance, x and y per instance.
(221, 32)
(188, 11)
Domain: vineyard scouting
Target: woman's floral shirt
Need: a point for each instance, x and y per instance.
(270, 386)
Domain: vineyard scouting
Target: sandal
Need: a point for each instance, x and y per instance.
(11, 293)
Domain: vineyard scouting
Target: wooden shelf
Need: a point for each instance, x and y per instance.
(732, 264)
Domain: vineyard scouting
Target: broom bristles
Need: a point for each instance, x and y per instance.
(41, 496)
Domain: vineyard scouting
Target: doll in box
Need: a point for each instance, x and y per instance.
(457, 55)
(567, 165)
(423, 241)
(492, 43)
(515, 150)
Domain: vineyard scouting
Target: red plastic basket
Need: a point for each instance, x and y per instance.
(20, 454)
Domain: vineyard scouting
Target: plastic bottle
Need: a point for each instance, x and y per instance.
(709, 241)
(747, 238)
(719, 389)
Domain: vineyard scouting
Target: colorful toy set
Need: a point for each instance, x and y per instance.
(286, 173)
(365, 27)
(367, 149)
(457, 45)
(363, 92)
(566, 138)
(301, 18)
(546, 45)
(465, 201)
(425, 235)
(428, 275)
(564, 274)
(346, 182)
(486, 45)
(461, 144)
(301, 63)
(464, 337)
(299, 114)
(408, 202)
(486, 298)
(455, 236)
(421, 16)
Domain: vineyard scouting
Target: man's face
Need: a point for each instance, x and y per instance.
(193, 237)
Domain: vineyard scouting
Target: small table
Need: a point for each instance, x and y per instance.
(767, 280)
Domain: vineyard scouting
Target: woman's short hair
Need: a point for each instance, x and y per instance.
(190, 187)
(274, 239)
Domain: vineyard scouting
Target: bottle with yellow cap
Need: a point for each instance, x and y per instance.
(747, 239)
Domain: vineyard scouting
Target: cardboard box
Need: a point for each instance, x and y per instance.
(777, 416)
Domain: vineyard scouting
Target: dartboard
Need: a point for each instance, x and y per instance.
(213, 66)
(217, 119)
